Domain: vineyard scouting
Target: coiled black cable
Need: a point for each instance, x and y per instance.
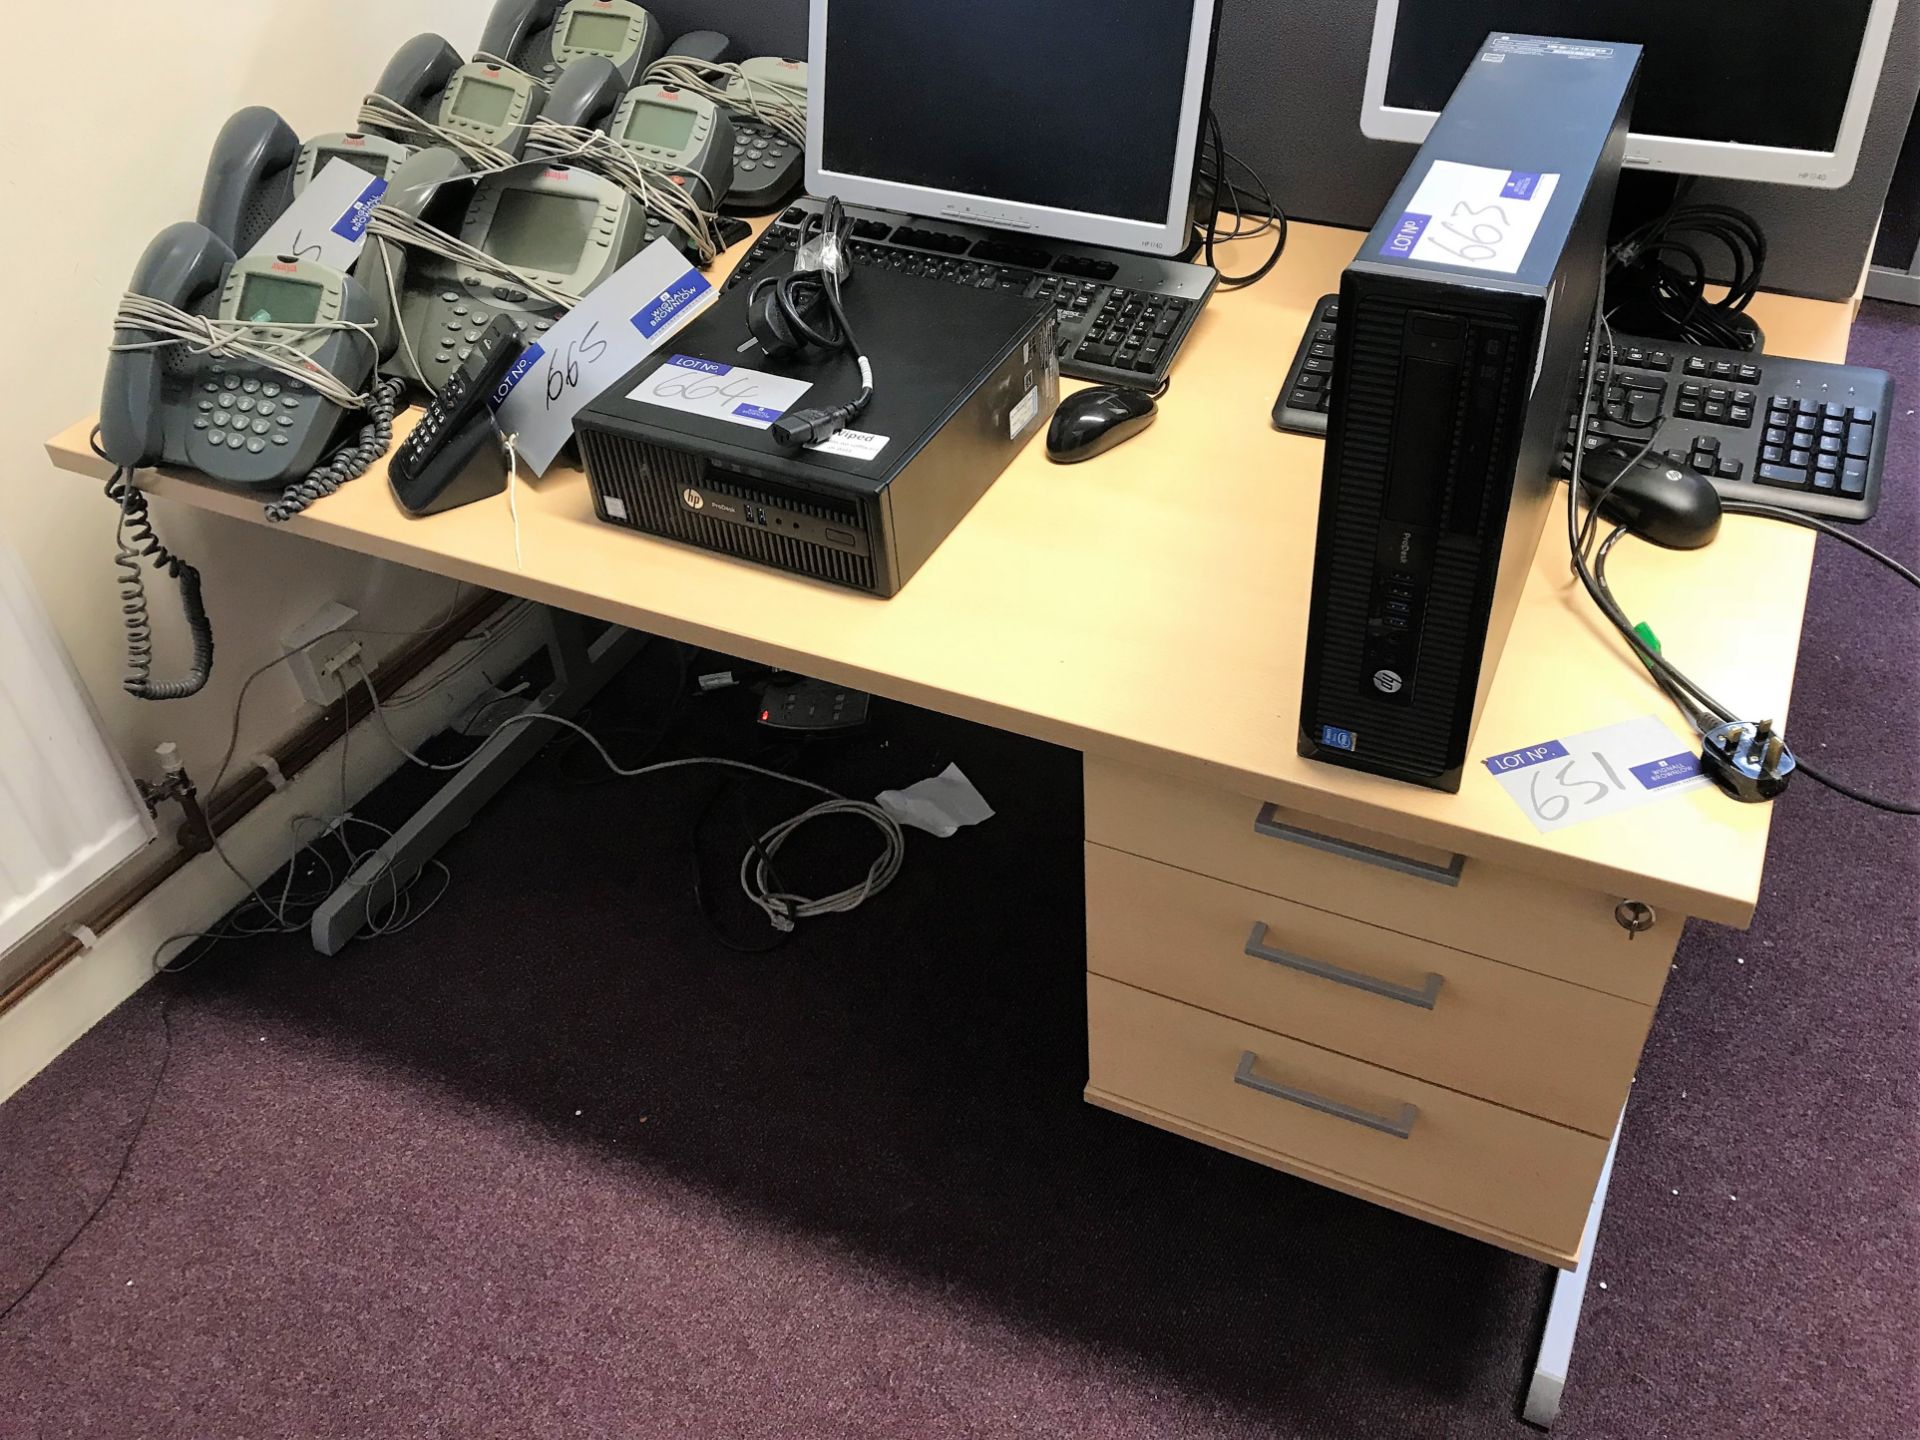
(350, 461)
(135, 542)
(1659, 276)
(809, 307)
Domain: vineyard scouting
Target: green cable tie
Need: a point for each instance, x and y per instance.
(1647, 637)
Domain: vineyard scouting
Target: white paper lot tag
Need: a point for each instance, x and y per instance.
(1600, 772)
(1472, 215)
(327, 224)
(632, 313)
(732, 393)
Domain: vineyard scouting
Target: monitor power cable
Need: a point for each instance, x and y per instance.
(1257, 205)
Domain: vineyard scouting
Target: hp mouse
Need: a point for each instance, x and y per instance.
(1094, 421)
(1653, 497)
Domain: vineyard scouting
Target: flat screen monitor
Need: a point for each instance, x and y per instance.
(1769, 90)
(1070, 119)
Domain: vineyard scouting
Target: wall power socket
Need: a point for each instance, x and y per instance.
(320, 648)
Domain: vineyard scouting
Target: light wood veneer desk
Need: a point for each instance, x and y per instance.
(1149, 609)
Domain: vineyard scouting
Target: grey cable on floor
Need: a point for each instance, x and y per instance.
(782, 910)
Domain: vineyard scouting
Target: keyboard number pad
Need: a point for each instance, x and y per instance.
(1822, 447)
(1131, 331)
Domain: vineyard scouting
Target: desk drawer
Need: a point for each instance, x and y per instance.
(1522, 1183)
(1495, 1031)
(1525, 920)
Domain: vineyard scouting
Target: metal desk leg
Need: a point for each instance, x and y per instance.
(1563, 1315)
(580, 669)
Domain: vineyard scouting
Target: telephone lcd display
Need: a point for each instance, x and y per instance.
(601, 34)
(374, 165)
(272, 300)
(535, 230)
(483, 102)
(667, 126)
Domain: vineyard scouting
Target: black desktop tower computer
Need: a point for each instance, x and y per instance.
(1463, 328)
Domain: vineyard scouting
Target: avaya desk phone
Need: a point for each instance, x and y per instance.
(768, 167)
(684, 136)
(259, 166)
(561, 228)
(545, 37)
(238, 422)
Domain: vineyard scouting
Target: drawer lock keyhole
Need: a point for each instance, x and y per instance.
(1634, 917)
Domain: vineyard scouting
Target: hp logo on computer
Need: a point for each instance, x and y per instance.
(1387, 682)
(695, 500)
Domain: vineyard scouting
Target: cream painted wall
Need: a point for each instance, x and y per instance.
(101, 162)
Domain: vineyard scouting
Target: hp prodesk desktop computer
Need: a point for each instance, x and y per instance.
(1463, 325)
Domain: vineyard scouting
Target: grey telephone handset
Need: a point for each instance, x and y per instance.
(259, 165)
(687, 137)
(546, 37)
(561, 226)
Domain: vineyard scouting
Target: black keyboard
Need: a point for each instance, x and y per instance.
(1123, 317)
(1303, 402)
(1798, 434)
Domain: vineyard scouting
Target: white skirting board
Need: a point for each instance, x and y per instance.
(69, 812)
(85, 990)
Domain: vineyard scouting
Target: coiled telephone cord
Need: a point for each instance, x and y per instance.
(350, 461)
(135, 543)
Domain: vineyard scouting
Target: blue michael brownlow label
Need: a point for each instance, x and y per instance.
(675, 298)
(353, 224)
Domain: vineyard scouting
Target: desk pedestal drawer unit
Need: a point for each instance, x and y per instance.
(1437, 1035)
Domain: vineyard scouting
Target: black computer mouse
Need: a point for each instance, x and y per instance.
(1094, 421)
(1658, 500)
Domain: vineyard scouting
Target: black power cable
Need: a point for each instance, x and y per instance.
(1659, 276)
(1703, 711)
(1216, 174)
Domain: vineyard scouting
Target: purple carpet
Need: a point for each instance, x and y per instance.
(559, 1162)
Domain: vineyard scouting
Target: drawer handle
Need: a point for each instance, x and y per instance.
(1424, 998)
(1399, 1128)
(1270, 825)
